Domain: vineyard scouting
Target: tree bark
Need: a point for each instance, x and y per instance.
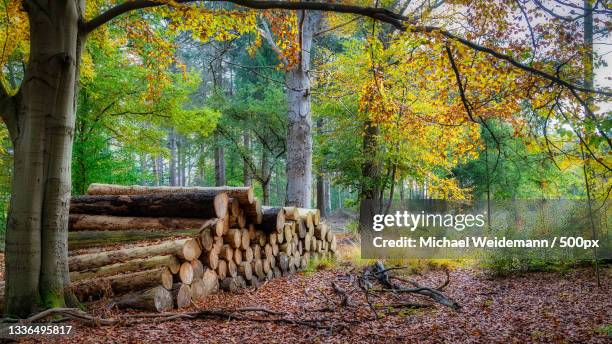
(41, 126)
(219, 164)
(173, 157)
(88, 239)
(370, 189)
(94, 260)
(299, 137)
(244, 194)
(246, 170)
(156, 299)
(131, 265)
(204, 205)
(84, 222)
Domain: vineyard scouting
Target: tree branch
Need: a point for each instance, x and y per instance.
(381, 14)
(510, 59)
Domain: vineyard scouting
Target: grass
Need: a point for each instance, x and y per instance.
(605, 329)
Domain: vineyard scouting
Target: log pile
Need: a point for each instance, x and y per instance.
(155, 248)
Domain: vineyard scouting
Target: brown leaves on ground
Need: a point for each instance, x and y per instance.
(537, 307)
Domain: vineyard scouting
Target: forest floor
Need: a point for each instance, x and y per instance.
(534, 307)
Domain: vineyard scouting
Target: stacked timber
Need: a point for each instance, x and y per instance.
(156, 248)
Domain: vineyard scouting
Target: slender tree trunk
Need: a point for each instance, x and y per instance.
(219, 165)
(246, 172)
(265, 173)
(299, 138)
(370, 189)
(42, 133)
(173, 155)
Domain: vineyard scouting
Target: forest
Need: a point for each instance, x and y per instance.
(270, 134)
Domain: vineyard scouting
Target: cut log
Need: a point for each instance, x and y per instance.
(233, 237)
(232, 269)
(194, 205)
(301, 229)
(191, 250)
(245, 270)
(282, 261)
(288, 231)
(280, 237)
(210, 259)
(247, 256)
(256, 251)
(277, 272)
(252, 232)
(198, 290)
(93, 260)
(238, 256)
(206, 239)
(218, 245)
(245, 240)
(222, 269)
(253, 212)
(85, 222)
(313, 214)
(211, 282)
(262, 238)
(268, 250)
(329, 236)
(88, 239)
(321, 231)
(245, 195)
(303, 263)
(132, 265)
(291, 213)
(186, 273)
(97, 288)
(272, 238)
(273, 219)
(182, 294)
(222, 226)
(227, 253)
(307, 242)
(233, 284)
(242, 219)
(198, 269)
(257, 267)
(234, 209)
(157, 299)
(265, 264)
(275, 249)
(286, 248)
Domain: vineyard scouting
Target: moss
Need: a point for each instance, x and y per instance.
(52, 298)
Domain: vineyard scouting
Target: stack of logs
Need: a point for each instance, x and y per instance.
(156, 248)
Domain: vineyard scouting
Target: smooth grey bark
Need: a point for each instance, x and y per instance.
(246, 172)
(42, 132)
(173, 157)
(299, 137)
(219, 165)
(321, 195)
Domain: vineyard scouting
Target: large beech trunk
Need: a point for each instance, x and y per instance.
(299, 138)
(192, 204)
(41, 126)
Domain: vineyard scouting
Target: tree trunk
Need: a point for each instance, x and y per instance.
(370, 190)
(88, 239)
(299, 138)
(205, 205)
(246, 171)
(173, 158)
(41, 128)
(265, 173)
(219, 164)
